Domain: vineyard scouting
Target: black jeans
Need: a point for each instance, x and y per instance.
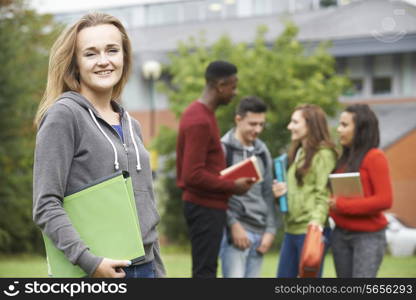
(206, 227)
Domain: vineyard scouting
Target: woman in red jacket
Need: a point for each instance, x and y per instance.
(358, 241)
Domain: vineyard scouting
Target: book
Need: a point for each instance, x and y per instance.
(346, 184)
(104, 215)
(245, 168)
(280, 167)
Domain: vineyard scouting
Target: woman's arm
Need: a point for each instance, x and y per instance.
(55, 148)
(323, 164)
(381, 199)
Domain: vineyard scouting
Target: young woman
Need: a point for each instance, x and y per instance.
(358, 240)
(312, 158)
(84, 134)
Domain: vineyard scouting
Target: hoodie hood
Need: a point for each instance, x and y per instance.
(83, 102)
(230, 140)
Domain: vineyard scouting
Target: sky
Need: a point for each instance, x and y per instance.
(57, 6)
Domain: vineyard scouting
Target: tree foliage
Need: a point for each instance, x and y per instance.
(280, 73)
(25, 40)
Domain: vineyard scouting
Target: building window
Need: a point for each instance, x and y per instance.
(160, 14)
(408, 74)
(327, 3)
(244, 8)
(261, 7)
(356, 88)
(381, 85)
(382, 77)
(303, 5)
(192, 11)
(230, 8)
(353, 67)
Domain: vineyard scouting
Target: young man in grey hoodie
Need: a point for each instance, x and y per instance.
(251, 218)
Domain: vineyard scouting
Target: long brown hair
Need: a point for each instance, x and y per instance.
(63, 73)
(318, 136)
(366, 137)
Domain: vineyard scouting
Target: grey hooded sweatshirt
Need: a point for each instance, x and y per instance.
(255, 210)
(71, 152)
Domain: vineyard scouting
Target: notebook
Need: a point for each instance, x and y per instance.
(346, 184)
(105, 216)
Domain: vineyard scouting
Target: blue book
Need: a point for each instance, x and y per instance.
(280, 167)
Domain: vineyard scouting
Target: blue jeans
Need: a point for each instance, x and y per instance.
(146, 270)
(237, 263)
(291, 251)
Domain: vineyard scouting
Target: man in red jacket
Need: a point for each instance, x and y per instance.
(199, 160)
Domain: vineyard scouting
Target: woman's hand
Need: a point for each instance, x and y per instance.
(279, 188)
(109, 268)
(314, 223)
(332, 203)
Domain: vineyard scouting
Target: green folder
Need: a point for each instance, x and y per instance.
(105, 216)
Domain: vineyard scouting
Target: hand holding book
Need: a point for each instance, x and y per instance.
(279, 188)
(243, 184)
(346, 185)
(245, 168)
(110, 268)
(332, 201)
(244, 174)
(89, 209)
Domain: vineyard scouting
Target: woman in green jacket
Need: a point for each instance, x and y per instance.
(312, 157)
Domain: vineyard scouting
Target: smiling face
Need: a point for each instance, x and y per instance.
(297, 126)
(346, 129)
(250, 126)
(99, 54)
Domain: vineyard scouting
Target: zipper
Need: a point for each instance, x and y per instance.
(118, 136)
(126, 136)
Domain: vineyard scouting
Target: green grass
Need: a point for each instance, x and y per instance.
(178, 264)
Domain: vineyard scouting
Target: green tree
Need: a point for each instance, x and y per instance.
(280, 73)
(25, 40)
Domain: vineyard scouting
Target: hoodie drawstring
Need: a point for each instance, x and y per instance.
(138, 166)
(116, 164)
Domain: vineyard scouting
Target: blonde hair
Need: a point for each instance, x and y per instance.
(63, 72)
